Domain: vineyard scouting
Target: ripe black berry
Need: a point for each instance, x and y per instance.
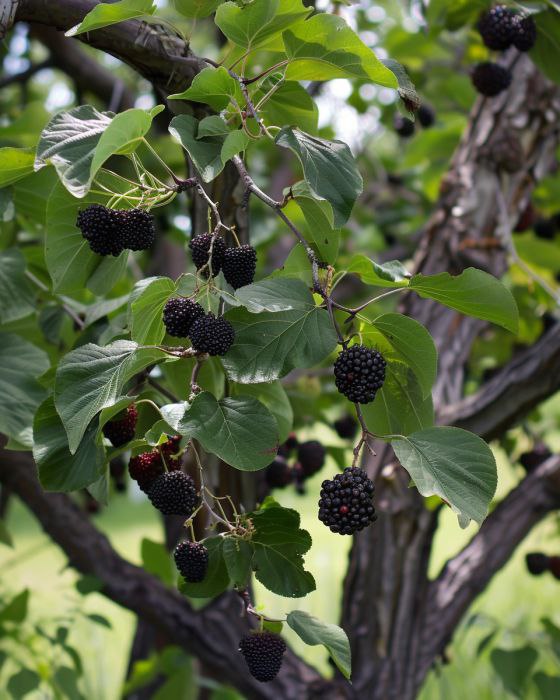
(426, 116)
(99, 227)
(278, 474)
(311, 456)
(346, 427)
(537, 563)
(403, 126)
(191, 559)
(545, 228)
(263, 652)
(496, 27)
(239, 265)
(121, 429)
(137, 228)
(212, 335)
(524, 32)
(200, 251)
(533, 459)
(174, 493)
(554, 566)
(179, 314)
(490, 79)
(346, 503)
(359, 373)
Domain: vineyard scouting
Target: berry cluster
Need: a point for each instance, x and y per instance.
(405, 127)
(346, 427)
(263, 652)
(174, 493)
(359, 373)
(490, 78)
(237, 264)
(110, 231)
(191, 559)
(310, 458)
(346, 502)
(538, 563)
(502, 27)
(186, 318)
(121, 429)
(145, 468)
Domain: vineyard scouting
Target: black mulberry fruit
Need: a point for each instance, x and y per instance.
(426, 116)
(346, 427)
(99, 227)
(537, 563)
(490, 79)
(346, 503)
(212, 335)
(191, 559)
(524, 32)
(200, 251)
(145, 468)
(174, 493)
(121, 429)
(311, 456)
(403, 126)
(554, 566)
(239, 265)
(263, 652)
(533, 459)
(137, 228)
(496, 27)
(359, 373)
(179, 314)
(545, 228)
(278, 474)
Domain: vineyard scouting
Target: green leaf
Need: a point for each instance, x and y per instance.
(146, 310)
(313, 632)
(413, 344)
(254, 24)
(15, 164)
(100, 620)
(399, 407)
(22, 683)
(70, 262)
(17, 299)
(329, 169)
(69, 142)
(290, 105)
(279, 548)
(59, 470)
(20, 392)
(214, 87)
(217, 578)
(16, 610)
(238, 556)
(274, 295)
(390, 274)
(274, 397)
(548, 686)
(240, 431)
(106, 14)
(406, 90)
(324, 47)
(473, 292)
(5, 536)
(545, 51)
(193, 9)
(123, 135)
(270, 345)
(157, 560)
(318, 214)
(91, 378)
(514, 667)
(210, 153)
(453, 464)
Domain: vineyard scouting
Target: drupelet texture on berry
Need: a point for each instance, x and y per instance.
(496, 27)
(403, 126)
(99, 227)
(524, 32)
(200, 251)
(537, 563)
(212, 335)
(263, 652)
(145, 468)
(311, 456)
(179, 314)
(346, 426)
(359, 373)
(121, 429)
(137, 228)
(174, 493)
(490, 79)
(346, 502)
(239, 265)
(191, 559)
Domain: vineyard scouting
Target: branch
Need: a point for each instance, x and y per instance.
(212, 635)
(467, 574)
